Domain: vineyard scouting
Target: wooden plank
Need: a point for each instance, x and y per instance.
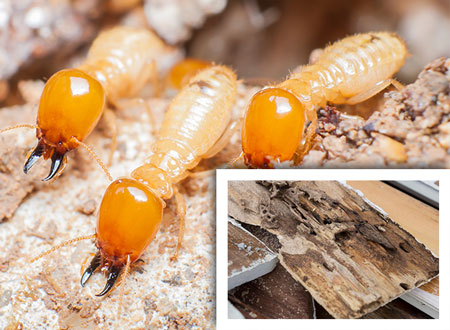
(276, 295)
(248, 257)
(233, 312)
(396, 309)
(351, 257)
(419, 219)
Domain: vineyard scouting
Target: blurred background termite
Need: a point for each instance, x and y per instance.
(119, 63)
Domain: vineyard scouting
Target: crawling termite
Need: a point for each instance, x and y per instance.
(347, 72)
(119, 63)
(194, 127)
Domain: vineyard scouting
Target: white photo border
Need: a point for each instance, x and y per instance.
(225, 175)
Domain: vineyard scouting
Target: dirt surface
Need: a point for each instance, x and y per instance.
(412, 128)
(159, 294)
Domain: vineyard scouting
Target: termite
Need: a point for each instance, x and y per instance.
(347, 72)
(194, 127)
(184, 70)
(119, 63)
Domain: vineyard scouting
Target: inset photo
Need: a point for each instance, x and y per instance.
(300, 246)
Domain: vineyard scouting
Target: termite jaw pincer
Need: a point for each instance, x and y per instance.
(58, 159)
(113, 272)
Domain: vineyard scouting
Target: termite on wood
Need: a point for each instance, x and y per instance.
(347, 72)
(194, 127)
(119, 63)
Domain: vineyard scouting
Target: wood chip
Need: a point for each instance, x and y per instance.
(248, 257)
(276, 295)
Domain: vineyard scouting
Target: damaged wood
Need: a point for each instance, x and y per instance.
(273, 296)
(349, 255)
(248, 257)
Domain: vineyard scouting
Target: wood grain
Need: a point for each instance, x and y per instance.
(351, 257)
(248, 257)
(276, 295)
(418, 218)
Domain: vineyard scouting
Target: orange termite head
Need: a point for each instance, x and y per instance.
(273, 127)
(70, 107)
(129, 218)
(184, 70)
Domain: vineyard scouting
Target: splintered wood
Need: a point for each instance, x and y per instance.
(248, 257)
(348, 254)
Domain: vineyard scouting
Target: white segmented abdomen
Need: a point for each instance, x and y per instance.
(195, 120)
(348, 68)
(123, 60)
(197, 117)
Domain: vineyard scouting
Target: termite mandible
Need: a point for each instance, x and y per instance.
(347, 72)
(119, 63)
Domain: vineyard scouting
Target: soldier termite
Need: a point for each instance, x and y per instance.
(119, 63)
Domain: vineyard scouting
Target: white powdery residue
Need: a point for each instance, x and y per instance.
(241, 246)
(268, 256)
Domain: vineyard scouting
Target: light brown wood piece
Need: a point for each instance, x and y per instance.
(351, 258)
(418, 218)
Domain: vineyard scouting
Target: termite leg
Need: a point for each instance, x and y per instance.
(232, 163)
(32, 157)
(201, 174)
(397, 84)
(95, 263)
(113, 275)
(157, 86)
(224, 139)
(307, 142)
(181, 210)
(129, 103)
(58, 164)
(373, 91)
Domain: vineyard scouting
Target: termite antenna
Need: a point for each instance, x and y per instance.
(18, 126)
(113, 275)
(70, 241)
(97, 159)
